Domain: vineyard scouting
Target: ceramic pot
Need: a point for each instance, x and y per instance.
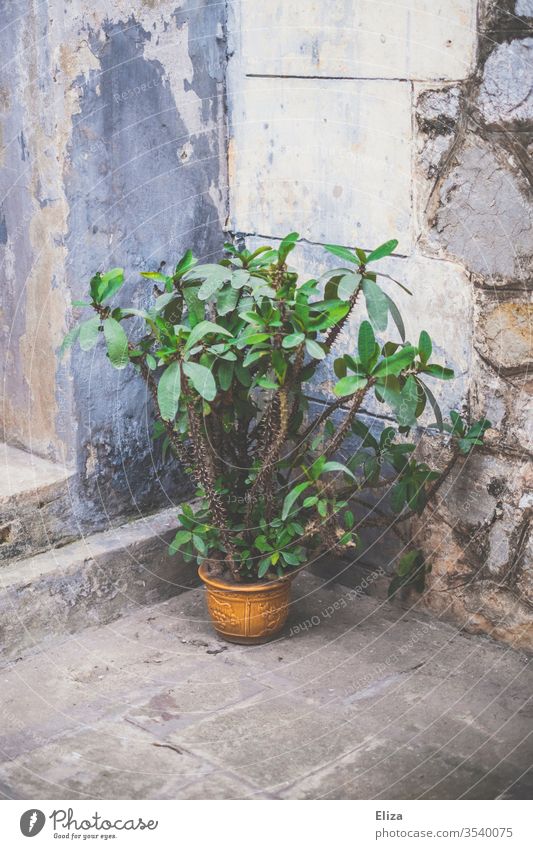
(246, 613)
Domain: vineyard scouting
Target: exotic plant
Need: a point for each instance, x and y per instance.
(228, 352)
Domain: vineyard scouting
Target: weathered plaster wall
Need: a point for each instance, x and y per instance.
(114, 144)
(360, 121)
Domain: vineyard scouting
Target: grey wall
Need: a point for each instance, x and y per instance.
(114, 141)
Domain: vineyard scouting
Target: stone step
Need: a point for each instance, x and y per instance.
(356, 699)
(35, 502)
(90, 581)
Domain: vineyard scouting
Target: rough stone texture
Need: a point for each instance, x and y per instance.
(482, 217)
(477, 540)
(506, 401)
(355, 700)
(93, 580)
(506, 93)
(478, 210)
(506, 335)
(369, 38)
(36, 504)
(524, 7)
(114, 151)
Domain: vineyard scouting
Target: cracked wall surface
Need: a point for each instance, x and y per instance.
(368, 121)
(113, 125)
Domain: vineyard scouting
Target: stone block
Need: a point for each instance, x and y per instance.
(506, 93)
(311, 155)
(504, 334)
(437, 111)
(482, 215)
(506, 402)
(524, 8)
(372, 39)
(93, 580)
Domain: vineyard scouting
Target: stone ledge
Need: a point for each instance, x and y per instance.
(88, 582)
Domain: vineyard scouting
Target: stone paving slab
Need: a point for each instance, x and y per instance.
(370, 700)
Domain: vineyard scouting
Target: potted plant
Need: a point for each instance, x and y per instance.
(227, 351)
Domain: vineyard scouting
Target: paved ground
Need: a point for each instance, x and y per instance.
(365, 701)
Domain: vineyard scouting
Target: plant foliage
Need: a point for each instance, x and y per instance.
(228, 351)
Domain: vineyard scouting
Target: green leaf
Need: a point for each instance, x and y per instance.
(214, 277)
(286, 246)
(267, 383)
(225, 374)
(181, 538)
(384, 250)
(195, 307)
(396, 317)
(343, 253)
(396, 363)
(433, 402)
(117, 343)
(339, 367)
(397, 497)
(348, 385)
(110, 283)
(314, 349)
(252, 357)
(290, 558)
(376, 303)
(95, 287)
(202, 380)
(227, 300)
(458, 424)
(154, 275)
(168, 392)
(264, 566)
(185, 264)
(293, 339)
(292, 496)
(69, 340)
(349, 283)
(80, 304)
(409, 401)
(240, 278)
(89, 331)
(201, 330)
(251, 339)
(425, 348)
(439, 371)
(390, 390)
(366, 343)
(333, 466)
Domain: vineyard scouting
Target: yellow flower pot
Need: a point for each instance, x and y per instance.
(246, 613)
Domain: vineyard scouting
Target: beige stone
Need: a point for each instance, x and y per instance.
(329, 158)
(507, 334)
(419, 39)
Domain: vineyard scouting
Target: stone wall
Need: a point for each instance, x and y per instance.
(355, 122)
(114, 147)
(474, 144)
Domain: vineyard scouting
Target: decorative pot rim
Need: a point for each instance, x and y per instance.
(258, 586)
